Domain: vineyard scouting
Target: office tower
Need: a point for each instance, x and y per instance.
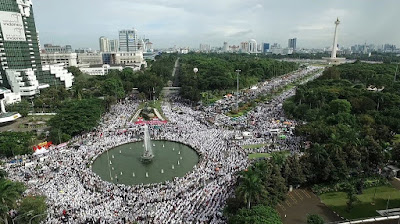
(128, 40)
(20, 64)
(265, 48)
(114, 45)
(104, 44)
(292, 43)
(205, 48)
(226, 47)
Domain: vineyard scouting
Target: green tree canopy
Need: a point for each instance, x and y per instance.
(256, 215)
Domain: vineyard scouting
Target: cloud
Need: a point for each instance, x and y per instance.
(187, 22)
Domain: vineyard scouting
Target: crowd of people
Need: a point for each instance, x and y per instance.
(75, 194)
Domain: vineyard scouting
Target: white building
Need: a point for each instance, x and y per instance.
(10, 97)
(103, 70)
(252, 46)
(131, 59)
(60, 72)
(104, 44)
(23, 81)
(68, 59)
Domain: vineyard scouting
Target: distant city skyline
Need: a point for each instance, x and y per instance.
(188, 23)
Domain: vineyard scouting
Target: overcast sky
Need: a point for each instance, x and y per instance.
(166, 23)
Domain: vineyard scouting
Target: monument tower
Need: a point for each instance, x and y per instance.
(333, 59)
(334, 47)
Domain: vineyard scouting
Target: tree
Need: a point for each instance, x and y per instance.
(9, 193)
(339, 106)
(250, 189)
(296, 175)
(16, 143)
(257, 215)
(76, 117)
(331, 73)
(351, 196)
(396, 153)
(315, 219)
(32, 206)
(22, 107)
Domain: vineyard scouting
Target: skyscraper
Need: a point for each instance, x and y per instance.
(104, 44)
(292, 43)
(128, 40)
(114, 45)
(265, 48)
(253, 46)
(226, 47)
(20, 63)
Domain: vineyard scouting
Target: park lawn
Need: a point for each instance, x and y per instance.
(396, 139)
(259, 155)
(363, 209)
(253, 146)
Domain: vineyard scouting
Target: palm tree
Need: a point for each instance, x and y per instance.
(9, 193)
(250, 188)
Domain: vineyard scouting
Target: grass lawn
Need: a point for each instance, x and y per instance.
(363, 209)
(259, 155)
(253, 146)
(396, 138)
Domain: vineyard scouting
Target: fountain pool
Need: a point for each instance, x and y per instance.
(127, 168)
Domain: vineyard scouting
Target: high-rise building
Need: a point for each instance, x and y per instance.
(104, 44)
(205, 48)
(252, 46)
(20, 64)
(226, 47)
(128, 40)
(265, 48)
(292, 43)
(114, 45)
(244, 47)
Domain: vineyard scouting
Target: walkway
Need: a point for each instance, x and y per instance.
(301, 202)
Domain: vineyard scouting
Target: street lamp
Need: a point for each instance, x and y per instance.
(237, 89)
(195, 70)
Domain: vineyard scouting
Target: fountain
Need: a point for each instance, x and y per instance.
(148, 155)
(164, 165)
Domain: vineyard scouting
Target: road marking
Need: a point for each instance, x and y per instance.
(293, 199)
(306, 194)
(298, 195)
(282, 207)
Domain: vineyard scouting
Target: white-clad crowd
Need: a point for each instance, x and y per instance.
(75, 194)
